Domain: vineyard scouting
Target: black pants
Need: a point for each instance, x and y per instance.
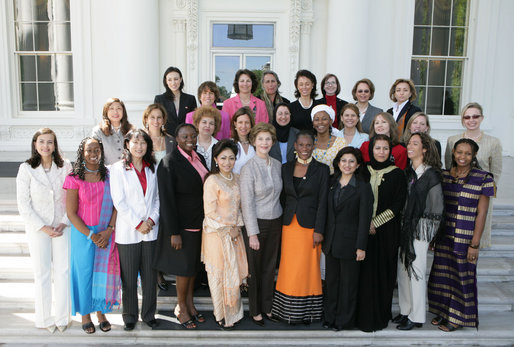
(261, 265)
(137, 258)
(342, 282)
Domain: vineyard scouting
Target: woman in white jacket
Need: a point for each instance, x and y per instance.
(136, 198)
(41, 202)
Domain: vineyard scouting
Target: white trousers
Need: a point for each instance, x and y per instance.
(412, 292)
(49, 254)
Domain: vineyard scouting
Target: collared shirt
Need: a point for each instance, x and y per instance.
(141, 175)
(206, 152)
(194, 160)
(421, 170)
(397, 109)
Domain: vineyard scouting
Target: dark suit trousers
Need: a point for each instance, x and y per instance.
(261, 265)
(342, 280)
(138, 258)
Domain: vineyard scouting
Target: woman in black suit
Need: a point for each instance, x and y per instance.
(283, 149)
(403, 93)
(176, 103)
(298, 295)
(350, 205)
(180, 176)
(330, 88)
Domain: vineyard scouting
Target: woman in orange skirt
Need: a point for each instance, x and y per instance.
(298, 295)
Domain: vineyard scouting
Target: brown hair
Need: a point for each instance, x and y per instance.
(393, 127)
(208, 86)
(431, 156)
(35, 159)
(355, 109)
(245, 110)
(149, 110)
(370, 85)
(105, 125)
(322, 85)
(411, 86)
(207, 112)
(262, 128)
(250, 74)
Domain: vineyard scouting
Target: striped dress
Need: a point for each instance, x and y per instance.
(452, 286)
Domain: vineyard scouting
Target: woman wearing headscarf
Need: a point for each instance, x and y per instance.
(283, 149)
(378, 270)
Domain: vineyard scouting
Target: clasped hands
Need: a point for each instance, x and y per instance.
(146, 227)
(53, 232)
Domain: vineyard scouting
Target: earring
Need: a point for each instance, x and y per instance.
(216, 164)
(163, 128)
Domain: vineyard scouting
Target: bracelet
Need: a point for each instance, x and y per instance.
(474, 246)
(110, 226)
(90, 233)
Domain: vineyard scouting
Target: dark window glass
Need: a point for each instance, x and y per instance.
(423, 12)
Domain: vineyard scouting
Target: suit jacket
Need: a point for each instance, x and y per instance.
(309, 203)
(187, 104)
(291, 139)
(256, 105)
(339, 104)
(132, 205)
(371, 112)
(40, 196)
(170, 143)
(407, 111)
(349, 219)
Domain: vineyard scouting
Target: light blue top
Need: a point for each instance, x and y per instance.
(358, 138)
(283, 151)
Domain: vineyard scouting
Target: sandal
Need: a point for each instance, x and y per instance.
(105, 326)
(438, 320)
(190, 324)
(89, 328)
(448, 328)
(198, 317)
(222, 325)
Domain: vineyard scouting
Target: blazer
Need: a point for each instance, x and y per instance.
(366, 121)
(309, 203)
(275, 151)
(132, 205)
(349, 219)
(257, 106)
(187, 103)
(339, 104)
(170, 143)
(40, 196)
(407, 111)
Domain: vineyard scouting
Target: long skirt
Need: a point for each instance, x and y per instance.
(452, 286)
(82, 261)
(225, 262)
(298, 294)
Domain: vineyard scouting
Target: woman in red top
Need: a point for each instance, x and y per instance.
(384, 123)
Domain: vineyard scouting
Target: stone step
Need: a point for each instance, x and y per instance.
(495, 330)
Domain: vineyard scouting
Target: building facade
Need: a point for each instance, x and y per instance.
(61, 59)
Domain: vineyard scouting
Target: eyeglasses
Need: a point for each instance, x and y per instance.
(330, 83)
(363, 91)
(475, 116)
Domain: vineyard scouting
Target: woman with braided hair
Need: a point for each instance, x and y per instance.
(94, 264)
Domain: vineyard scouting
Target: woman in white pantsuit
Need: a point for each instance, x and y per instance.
(421, 218)
(41, 202)
(136, 198)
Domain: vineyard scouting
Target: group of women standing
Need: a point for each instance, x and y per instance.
(355, 210)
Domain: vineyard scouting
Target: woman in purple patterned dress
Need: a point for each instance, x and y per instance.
(452, 286)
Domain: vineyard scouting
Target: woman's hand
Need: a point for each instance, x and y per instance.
(472, 255)
(144, 228)
(176, 242)
(60, 228)
(101, 239)
(50, 231)
(361, 255)
(317, 239)
(372, 230)
(254, 242)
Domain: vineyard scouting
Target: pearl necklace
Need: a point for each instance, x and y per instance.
(228, 179)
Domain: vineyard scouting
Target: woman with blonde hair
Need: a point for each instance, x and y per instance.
(489, 157)
(419, 123)
(111, 131)
(351, 127)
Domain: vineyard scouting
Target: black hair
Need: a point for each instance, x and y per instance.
(169, 93)
(217, 149)
(35, 159)
(309, 75)
(307, 133)
(79, 164)
(148, 156)
(358, 156)
(474, 149)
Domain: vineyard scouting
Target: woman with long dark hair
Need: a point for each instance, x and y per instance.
(180, 176)
(421, 217)
(223, 250)
(94, 261)
(452, 286)
(41, 203)
(136, 198)
(174, 100)
(350, 204)
(378, 270)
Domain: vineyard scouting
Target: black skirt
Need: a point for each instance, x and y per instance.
(183, 262)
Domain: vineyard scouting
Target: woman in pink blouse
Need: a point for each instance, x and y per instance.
(94, 264)
(245, 83)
